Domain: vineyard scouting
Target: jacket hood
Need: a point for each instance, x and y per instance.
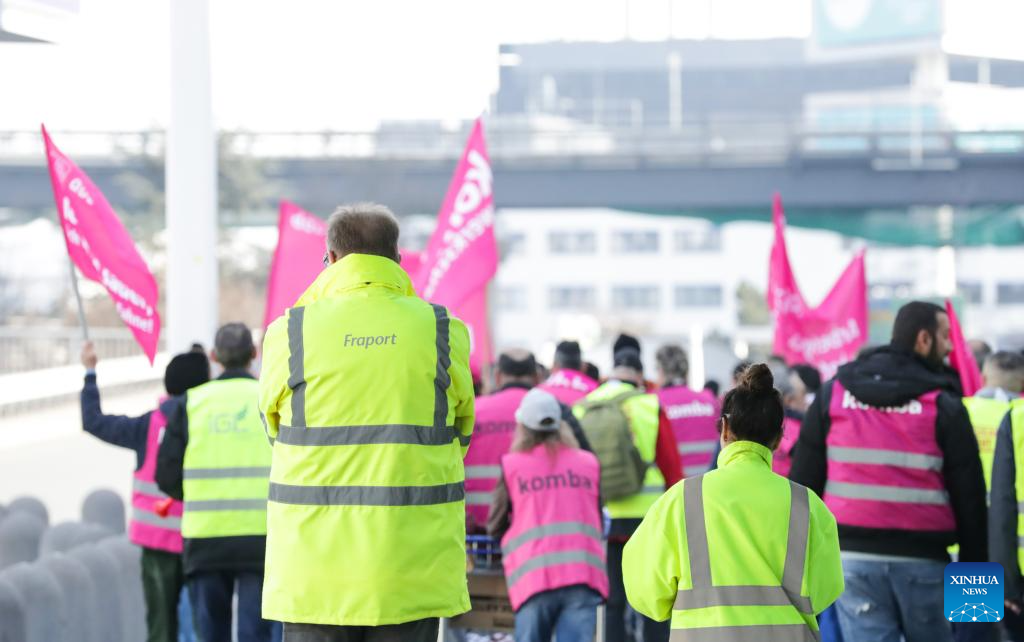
(357, 271)
(886, 377)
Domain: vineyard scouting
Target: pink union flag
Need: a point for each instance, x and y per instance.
(961, 358)
(826, 336)
(101, 248)
(472, 311)
(298, 259)
(462, 255)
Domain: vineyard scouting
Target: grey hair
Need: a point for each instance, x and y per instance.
(363, 228)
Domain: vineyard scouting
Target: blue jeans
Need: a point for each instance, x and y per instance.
(211, 594)
(569, 613)
(892, 601)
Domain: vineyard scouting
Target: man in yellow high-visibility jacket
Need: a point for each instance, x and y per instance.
(1003, 374)
(367, 394)
(215, 457)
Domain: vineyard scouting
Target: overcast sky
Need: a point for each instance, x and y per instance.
(315, 64)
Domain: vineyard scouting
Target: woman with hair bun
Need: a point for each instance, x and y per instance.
(738, 554)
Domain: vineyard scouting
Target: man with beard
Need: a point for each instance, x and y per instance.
(889, 447)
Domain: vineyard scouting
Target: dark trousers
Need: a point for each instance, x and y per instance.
(418, 631)
(162, 579)
(615, 609)
(211, 595)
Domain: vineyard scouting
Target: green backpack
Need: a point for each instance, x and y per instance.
(607, 429)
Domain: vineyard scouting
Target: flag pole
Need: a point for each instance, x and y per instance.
(78, 300)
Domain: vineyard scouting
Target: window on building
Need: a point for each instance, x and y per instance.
(511, 298)
(572, 297)
(890, 291)
(636, 297)
(971, 291)
(572, 242)
(512, 243)
(1010, 293)
(698, 296)
(708, 239)
(635, 242)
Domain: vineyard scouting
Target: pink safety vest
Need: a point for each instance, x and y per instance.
(694, 419)
(884, 465)
(569, 386)
(492, 436)
(147, 528)
(782, 458)
(555, 537)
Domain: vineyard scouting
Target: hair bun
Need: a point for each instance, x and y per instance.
(757, 379)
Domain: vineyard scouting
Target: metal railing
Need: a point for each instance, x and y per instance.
(510, 141)
(23, 349)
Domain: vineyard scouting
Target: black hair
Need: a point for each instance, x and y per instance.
(568, 355)
(740, 368)
(525, 366)
(628, 358)
(624, 341)
(591, 371)
(754, 407)
(712, 386)
(234, 346)
(910, 320)
(809, 375)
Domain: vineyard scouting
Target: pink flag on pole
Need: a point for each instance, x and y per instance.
(462, 255)
(298, 259)
(826, 336)
(961, 358)
(101, 248)
(472, 311)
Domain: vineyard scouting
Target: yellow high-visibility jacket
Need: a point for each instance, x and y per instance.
(367, 394)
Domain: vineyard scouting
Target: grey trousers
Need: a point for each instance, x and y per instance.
(418, 631)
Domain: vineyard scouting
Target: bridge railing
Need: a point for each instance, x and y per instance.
(718, 141)
(24, 349)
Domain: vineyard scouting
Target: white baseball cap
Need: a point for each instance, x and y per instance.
(540, 411)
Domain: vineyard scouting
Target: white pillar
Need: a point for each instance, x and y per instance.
(697, 377)
(675, 91)
(191, 182)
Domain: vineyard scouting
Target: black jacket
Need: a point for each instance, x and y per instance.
(1002, 518)
(243, 553)
(119, 430)
(886, 377)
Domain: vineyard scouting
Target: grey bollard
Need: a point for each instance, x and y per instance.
(19, 539)
(12, 613)
(79, 596)
(104, 508)
(46, 616)
(30, 505)
(133, 602)
(105, 573)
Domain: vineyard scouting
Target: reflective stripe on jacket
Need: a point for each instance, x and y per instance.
(227, 462)
(885, 465)
(739, 554)
(147, 527)
(366, 390)
(555, 537)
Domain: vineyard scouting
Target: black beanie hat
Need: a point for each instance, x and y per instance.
(186, 370)
(626, 341)
(629, 358)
